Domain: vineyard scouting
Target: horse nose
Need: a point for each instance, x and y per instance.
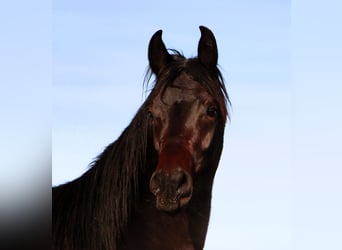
(172, 189)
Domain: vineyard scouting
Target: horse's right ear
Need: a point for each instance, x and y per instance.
(157, 53)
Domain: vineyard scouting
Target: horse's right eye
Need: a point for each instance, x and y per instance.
(150, 115)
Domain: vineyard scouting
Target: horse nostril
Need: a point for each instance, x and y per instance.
(155, 182)
(178, 177)
(182, 182)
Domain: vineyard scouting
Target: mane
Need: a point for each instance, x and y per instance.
(107, 202)
(124, 161)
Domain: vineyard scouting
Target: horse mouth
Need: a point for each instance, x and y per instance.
(172, 204)
(167, 205)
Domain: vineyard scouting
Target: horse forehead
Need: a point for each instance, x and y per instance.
(184, 89)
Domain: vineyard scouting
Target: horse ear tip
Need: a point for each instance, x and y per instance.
(158, 33)
(203, 28)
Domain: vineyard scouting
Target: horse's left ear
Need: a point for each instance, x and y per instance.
(157, 53)
(207, 48)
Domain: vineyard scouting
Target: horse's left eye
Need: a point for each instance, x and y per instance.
(212, 111)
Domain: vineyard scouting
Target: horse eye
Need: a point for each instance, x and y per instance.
(212, 111)
(150, 115)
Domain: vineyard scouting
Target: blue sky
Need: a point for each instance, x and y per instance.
(278, 185)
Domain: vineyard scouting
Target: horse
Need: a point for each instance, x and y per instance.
(151, 188)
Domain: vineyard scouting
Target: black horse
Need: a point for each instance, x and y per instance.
(151, 188)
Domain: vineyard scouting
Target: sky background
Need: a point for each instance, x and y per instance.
(81, 69)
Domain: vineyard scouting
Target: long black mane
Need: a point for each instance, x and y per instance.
(100, 201)
(98, 205)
